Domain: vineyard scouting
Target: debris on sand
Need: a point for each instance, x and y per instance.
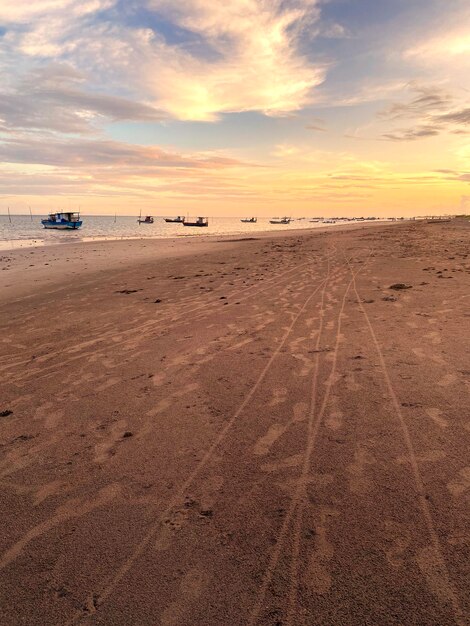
(128, 433)
(6, 413)
(389, 298)
(128, 291)
(398, 286)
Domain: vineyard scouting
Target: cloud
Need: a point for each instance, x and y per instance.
(317, 124)
(89, 153)
(45, 165)
(455, 175)
(433, 111)
(456, 117)
(23, 11)
(411, 134)
(255, 63)
(56, 98)
(439, 48)
(428, 99)
(256, 67)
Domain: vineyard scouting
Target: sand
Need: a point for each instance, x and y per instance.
(256, 432)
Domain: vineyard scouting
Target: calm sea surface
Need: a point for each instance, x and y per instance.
(24, 232)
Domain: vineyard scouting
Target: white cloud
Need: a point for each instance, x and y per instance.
(254, 65)
(440, 48)
(23, 11)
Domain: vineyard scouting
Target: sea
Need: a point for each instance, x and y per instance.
(22, 231)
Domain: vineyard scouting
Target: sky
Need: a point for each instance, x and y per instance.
(244, 107)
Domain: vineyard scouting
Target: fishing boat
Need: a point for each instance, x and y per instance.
(282, 220)
(249, 220)
(148, 219)
(329, 221)
(62, 221)
(200, 221)
(175, 220)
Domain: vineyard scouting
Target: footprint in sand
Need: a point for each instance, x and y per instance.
(434, 571)
(105, 448)
(334, 420)
(240, 344)
(461, 484)
(73, 508)
(300, 412)
(192, 585)
(158, 379)
(307, 364)
(434, 337)
(279, 396)
(50, 416)
(358, 481)
(419, 352)
(397, 539)
(264, 444)
(448, 379)
(287, 463)
(107, 384)
(318, 575)
(166, 403)
(45, 491)
(209, 492)
(436, 415)
(431, 456)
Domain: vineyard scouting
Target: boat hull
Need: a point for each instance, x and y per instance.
(194, 224)
(61, 226)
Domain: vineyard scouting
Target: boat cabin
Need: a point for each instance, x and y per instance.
(200, 221)
(64, 217)
(63, 221)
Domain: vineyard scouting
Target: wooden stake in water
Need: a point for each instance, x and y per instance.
(31, 213)
(9, 216)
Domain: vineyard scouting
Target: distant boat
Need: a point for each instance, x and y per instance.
(175, 220)
(201, 221)
(148, 219)
(282, 220)
(63, 221)
(249, 220)
(329, 221)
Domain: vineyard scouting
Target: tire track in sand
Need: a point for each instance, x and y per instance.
(313, 428)
(122, 571)
(430, 560)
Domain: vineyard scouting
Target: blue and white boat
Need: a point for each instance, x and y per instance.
(62, 221)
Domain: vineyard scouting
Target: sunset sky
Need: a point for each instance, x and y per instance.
(304, 107)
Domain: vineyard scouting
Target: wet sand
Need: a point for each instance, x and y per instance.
(257, 432)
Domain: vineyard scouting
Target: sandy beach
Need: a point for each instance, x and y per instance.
(264, 431)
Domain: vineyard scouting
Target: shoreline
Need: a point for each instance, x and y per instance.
(255, 418)
(30, 269)
(8, 245)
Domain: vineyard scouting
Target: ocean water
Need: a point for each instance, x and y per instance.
(23, 231)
